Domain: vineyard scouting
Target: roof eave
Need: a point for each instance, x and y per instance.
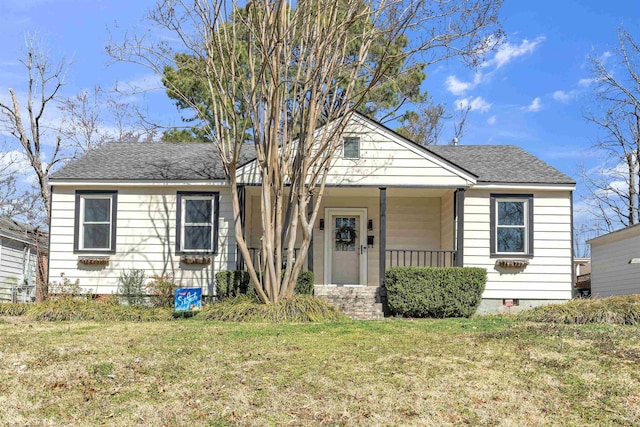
(77, 182)
(499, 185)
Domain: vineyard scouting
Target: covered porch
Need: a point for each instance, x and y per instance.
(362, 231)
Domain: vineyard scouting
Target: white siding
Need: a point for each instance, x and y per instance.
(549, 273)
(385, 160)
(611, 273)
(12, 261)
(145, 239)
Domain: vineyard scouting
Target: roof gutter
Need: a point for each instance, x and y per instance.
(524, 186)
(142, 183)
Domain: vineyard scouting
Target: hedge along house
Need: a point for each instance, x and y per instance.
(166, 208)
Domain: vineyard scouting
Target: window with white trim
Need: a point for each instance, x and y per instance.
(511, 225)
(197, 224)
(95, 225)
(351, 147)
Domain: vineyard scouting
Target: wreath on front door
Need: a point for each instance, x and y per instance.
(346, 235)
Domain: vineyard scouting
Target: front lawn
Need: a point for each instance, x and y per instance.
(482, 371)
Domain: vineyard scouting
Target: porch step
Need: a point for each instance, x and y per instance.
(357, 302)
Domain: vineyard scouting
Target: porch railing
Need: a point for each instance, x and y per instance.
(420, 258)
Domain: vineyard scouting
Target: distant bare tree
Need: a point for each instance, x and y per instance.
(14, 202)
(94, 117)
(26, 121)
(614, 199)
(288, 76)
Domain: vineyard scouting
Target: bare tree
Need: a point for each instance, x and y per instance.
(289, 75)
(425, 125)
(614, 198)
(92, 118)
(27, 122)
(15, 202)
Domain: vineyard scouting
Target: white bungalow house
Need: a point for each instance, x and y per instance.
(150, 206)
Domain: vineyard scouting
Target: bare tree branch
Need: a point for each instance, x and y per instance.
(44, 81)
(614, 197)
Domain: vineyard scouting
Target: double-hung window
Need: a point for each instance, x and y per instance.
(95, 221)
(197, 219)
(511, 225)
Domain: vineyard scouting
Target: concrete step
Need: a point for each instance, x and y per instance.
(357, 302)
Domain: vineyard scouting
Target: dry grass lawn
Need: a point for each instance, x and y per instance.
(483, 371)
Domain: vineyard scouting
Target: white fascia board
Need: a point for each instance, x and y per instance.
(16, 239)
(147, 183)
(519, 186)
(471, 179)
(624, 233)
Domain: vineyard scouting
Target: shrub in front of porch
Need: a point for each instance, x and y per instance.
(434, 292)
(233, 283)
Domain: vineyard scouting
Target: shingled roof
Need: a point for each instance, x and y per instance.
(197, 162)
(507, 164)
(149, 161)
(15, 230)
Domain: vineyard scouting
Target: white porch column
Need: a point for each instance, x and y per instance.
(383, 233)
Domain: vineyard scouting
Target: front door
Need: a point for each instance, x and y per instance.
(346, 246)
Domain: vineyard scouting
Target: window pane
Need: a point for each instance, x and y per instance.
(198, 211)
(510, 213)
(197, 237)
(351, 148)
(511, 239)
(97, 210)
(97, 236)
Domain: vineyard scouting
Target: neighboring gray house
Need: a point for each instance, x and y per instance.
(615, 263)
(152, 206)
(19, 248)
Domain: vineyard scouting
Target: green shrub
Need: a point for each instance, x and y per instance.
(434, 292)
(131, 286)
(620, 310)
(68, 309)
(296, 309)
(304, 284)
(233, 283)
(14, 309)
(162, 290)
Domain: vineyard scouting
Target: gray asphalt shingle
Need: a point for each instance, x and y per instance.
(149, 161)
(501, 164)
(195, 162)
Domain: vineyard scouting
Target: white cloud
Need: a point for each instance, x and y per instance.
(585, 82)
(455, 86)
(491, 120)
(562, 96)
(534, 107)
(605, 55)
(508, 52)
(474, 104)
(145, 83)
(458, 87)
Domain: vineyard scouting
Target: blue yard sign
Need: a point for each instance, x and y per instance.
(188, 299)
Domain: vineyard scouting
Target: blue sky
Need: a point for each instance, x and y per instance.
(532, 93)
